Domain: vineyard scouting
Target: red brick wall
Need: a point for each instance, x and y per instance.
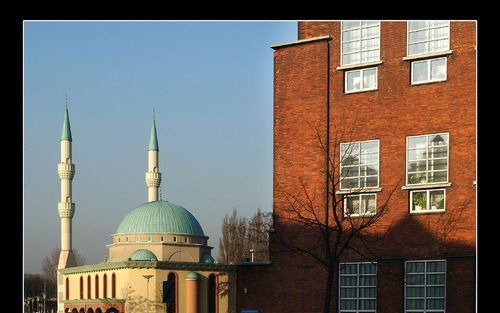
(396, 110)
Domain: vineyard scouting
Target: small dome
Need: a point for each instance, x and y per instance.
(207, 258)
(143, 255)
(192, 276)
(160, 217)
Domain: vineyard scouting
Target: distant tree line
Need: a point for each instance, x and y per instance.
(241, 236)
(34, 284)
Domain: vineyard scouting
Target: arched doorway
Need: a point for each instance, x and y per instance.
(98, 310)
(112, 310)
(90, 310)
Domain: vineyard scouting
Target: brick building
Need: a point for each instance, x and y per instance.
(394, 103)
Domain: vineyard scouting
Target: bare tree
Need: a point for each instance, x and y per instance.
(240, 235)
(233, 244)
(315, 222)
(258, 234)
(49, 268)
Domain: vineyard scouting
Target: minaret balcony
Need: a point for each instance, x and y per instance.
(66, 170)
(153, 179)
(66, 209)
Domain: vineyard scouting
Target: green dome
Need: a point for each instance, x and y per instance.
(192, 276)
(160, 217)
(207, 258)
(143, 255)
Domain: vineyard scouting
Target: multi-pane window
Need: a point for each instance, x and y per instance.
(431, 70)
(360, 42)
(428, 36)
(427, 200)
(361, 80)
(360, 204)
(425, 285)
(358, 287)
(359, 165)
(427, 157)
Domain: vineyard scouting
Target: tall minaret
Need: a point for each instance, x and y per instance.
(66, 208)
(153, 176)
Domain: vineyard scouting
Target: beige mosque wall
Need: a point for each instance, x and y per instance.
(132, 287)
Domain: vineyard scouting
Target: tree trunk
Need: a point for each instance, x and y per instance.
(328, 289)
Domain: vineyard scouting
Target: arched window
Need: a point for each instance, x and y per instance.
(96, 286)
(81, 287)
(89, 285)
(170, 293)
(105, 286)
(67, 288)
(212, 294)
(113, 286)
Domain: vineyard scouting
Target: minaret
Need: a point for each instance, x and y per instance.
(66, 208)
(153, 176)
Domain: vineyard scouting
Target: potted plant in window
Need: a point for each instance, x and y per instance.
(419, 202)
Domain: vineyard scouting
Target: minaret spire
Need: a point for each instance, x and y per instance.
(153, 176)
(66, 208)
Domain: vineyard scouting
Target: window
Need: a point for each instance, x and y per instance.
(428, 36)
(425, 285)
(359, 164)
(126, 239)
(426, 71)
(113, 286)
(360, 42)
(136, 238)
(162, 238)
(67, 288)
(175, 239)
(170, 293)
(96, 287)
(150, 238)
(361, 80)
(89, 285)
(427, 200)
(212, 294)
(81, 287)
(427, 157)
(358, 205)
(105, 286)
(358, 287)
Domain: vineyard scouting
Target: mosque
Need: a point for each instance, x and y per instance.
(159, 259)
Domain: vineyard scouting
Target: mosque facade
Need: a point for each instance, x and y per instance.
(159, 258)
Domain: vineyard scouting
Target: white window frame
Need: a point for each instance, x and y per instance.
(429, 71)
(428, 40)
(346, 214)
(447, 158)
(361, 75)
(428, 201)
(360, 39)
(425, 310)
(359, 176)
(357, 287)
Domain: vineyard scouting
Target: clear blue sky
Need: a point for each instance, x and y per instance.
(211, 84)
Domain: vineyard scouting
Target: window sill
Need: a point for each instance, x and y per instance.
(360, 215)
(358, 190)
(358, 65)
(427, 212)
(427, 55)
(426, 186)
(428, 82)
(360, 91)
